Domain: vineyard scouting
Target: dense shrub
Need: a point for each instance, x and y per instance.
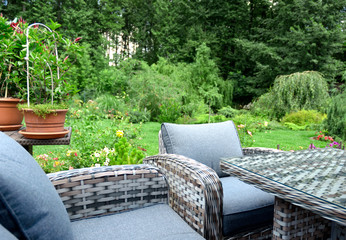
(304, 117)
(229, 112)
(150, 90)
(263, 106)
(335, 122)
(170, 111)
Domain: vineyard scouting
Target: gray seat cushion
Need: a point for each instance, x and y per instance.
(155, 222)
(206, 143)
(5, 234)
(30, 207)
(244, 206)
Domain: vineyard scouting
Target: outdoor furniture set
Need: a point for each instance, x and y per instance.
(182, 193)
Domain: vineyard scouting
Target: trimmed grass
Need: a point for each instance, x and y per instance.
(150, 138)
(287, 139)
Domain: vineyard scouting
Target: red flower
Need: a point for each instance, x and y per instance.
(13, 25)
(21, 20)
(77, 39)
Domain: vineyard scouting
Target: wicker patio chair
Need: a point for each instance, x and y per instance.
(197, 194)
(115, 202)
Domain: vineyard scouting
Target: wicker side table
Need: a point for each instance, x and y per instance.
(28, 143)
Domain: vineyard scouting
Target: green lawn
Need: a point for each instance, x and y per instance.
(150, 137)
(287, 139)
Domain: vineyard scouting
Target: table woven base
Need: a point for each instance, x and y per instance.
(293, 222)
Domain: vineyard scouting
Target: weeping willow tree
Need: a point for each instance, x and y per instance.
(297, 91)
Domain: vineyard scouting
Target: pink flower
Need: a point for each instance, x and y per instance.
(312, 146)
(70, 168)
(75, 154)
(66, 58)
(77, 39)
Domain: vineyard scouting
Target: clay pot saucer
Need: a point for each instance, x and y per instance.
(43, 135)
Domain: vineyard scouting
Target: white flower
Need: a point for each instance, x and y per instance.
(97, 165)
(106, 150)
(97, 154)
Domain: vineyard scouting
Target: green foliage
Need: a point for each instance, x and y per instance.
(205, 77)
(297, 91)
(150, 90)
(111, 105)
(122, 153)
(335, 122)
(42, 110)
(12, 74)
(206, 118)
(304, 117)
(294, 127)
(169, 111)
(263, 105)
(229, 112)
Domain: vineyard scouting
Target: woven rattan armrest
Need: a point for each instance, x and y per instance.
(195, 192)
(97, 191)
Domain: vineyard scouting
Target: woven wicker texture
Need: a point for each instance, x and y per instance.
(97, 191)
(293, 222)
(195, 192)
(312, 179)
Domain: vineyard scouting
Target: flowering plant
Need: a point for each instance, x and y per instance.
(322, 137)
(122, 153)
(12, 75)
(48, 58)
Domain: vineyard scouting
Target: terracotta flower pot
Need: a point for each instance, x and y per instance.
(10, 117)
(53, 122)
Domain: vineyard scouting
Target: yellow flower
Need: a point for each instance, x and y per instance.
(119, 133)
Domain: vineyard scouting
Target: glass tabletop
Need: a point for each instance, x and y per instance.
(320, 173)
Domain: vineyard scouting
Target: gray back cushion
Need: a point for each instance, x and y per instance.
(206, 143)
(30, 207)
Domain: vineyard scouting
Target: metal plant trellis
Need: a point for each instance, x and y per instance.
(27, 60)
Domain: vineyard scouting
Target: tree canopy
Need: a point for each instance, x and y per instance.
(251, 42)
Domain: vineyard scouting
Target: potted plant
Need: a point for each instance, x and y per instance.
(48, 58)
(12, 76)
